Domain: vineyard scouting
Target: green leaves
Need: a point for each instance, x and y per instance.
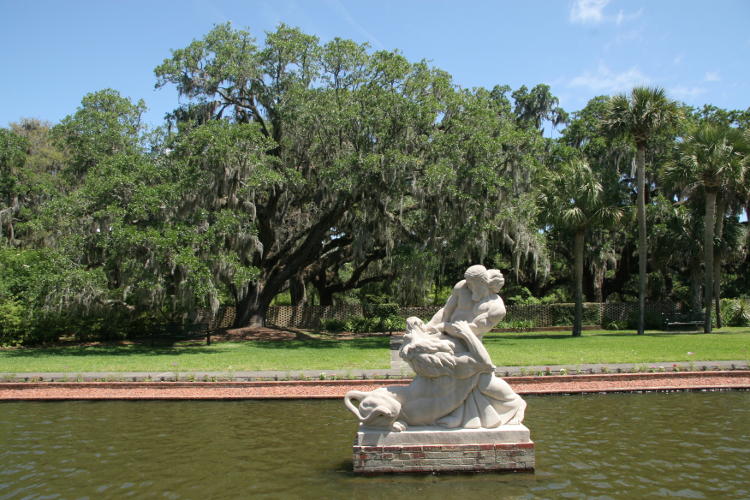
(645, 112)
(105, 124)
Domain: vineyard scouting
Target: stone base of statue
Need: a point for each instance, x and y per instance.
(436, 449)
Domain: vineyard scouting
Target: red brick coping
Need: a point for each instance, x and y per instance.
(333, 389)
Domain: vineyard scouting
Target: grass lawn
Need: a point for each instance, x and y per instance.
(362, 353)
(506, 349)
(560, 348)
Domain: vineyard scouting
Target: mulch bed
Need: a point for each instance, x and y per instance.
(333, 389)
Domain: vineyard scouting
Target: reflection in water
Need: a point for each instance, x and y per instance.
(689, 445)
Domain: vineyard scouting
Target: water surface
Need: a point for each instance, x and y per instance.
(682, 445)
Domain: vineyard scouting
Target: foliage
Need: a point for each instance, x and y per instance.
(106, 124)
(519, 325)
(333, 325)
(12, 322)
(652, 321)
(643, 115)
(371, 157)
(383, 310)
(736, 312)
(297, 170)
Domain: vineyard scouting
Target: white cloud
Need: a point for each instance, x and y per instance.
(623, 16)
(682, 92)
(605, 80)
(588, 11)
(712, 76)
(592, 11)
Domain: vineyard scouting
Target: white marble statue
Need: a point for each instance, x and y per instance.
(455, 385)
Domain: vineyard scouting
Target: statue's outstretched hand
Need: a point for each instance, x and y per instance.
(465, 332)
(463, 328)
(450, 328)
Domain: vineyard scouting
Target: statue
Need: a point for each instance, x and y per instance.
(455, 386)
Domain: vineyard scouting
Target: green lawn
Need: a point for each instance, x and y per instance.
(559, 348)
(514, 349)
(273, 355)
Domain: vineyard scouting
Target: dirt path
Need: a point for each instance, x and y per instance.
(571, 384)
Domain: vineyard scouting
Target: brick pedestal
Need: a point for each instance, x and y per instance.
(429, 449)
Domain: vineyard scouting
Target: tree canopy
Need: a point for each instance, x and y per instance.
(307, 171)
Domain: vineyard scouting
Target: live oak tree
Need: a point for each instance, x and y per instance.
(364, 153)
(13, 153)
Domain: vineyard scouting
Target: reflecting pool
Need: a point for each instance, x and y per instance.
(685, 445)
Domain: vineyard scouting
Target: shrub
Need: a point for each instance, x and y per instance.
(392, 324)
(615, 325)
(333, 325)
(736, 312)
(359, 324)
(651, 320)
(385, 310)
(519, 324)
(562, 314)
(11, 322)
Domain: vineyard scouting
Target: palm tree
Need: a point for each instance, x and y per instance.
(574, 201)
(712, 159)
(640, 115)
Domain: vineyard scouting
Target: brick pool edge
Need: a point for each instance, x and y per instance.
(333, 389)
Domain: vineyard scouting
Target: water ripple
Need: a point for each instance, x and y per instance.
(689, 445)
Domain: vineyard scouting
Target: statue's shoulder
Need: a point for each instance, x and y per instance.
(494, 304)
(461, 285)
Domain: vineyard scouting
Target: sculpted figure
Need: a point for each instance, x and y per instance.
(455, 385)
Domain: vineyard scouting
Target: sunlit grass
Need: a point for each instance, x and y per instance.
(364, 353)
(558, 348)
(506, 349)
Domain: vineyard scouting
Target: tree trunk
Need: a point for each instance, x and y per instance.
(325, 295)
(708, 252)
(640, 161)
(599, 284)
(297, 291)
(695, 287)
(252, 309)
(578, 249)
(721, 209)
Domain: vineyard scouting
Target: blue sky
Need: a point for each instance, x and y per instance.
(57, 51)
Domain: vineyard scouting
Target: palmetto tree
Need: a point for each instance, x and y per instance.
(712, 159)
(640, 115)
(573, 200)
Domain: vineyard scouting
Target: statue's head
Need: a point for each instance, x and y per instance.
(482, 281)
(477, 279)
(495, 280)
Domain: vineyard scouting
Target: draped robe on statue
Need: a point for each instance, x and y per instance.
(454, 386)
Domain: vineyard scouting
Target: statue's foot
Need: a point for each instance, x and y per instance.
(398, 426)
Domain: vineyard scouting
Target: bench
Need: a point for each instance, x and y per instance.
(679, 320)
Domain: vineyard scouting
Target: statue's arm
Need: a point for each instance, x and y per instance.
(437, 323)
(476, 348)
(486, 321)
